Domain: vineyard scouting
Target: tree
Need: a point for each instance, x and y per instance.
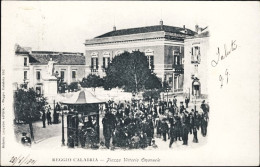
(153, 82)
(129, 71)
(165, 86)
(73, 86)
(27, 106)
(151, 94)
(92, 81)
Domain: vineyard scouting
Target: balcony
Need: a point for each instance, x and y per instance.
(173, 66)
(178, 90)
(93, 69)
(168, 66)
(195, 62)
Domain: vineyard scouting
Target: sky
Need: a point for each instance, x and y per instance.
(64, 26)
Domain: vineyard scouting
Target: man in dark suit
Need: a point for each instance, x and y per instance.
(55, 114)
(49, 116)
(43, 119)
(174, 101)
(187, 100)
(172, 134)
(165, 129)
(182, 108)
(204, 124)
(185, 134)
(203, 106)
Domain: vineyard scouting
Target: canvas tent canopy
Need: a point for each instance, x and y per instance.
(81, 97)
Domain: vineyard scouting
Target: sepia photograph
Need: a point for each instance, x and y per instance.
(129, 83)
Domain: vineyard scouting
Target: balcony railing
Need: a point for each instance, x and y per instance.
(195, 62)
(168, 66)
(178, 90)
(94, 70)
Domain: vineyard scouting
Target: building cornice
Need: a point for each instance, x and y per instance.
(158, 42)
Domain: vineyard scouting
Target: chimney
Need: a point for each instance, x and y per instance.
(161, 22)
(196, 28)
(114, 28)
(199, 30)
(184, 28)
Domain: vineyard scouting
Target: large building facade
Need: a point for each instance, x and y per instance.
(195, 65)
(31, 67)
(163, 45)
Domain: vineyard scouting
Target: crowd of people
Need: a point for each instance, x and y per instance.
(136, 125)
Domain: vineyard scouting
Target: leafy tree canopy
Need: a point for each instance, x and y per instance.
(73, 86)
(151, 94)
(92, 81)
(153, 82)
(131, 72)
(28, 104)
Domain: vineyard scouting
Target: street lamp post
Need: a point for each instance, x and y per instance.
(195, 102)
(62, 126)
(167, 90)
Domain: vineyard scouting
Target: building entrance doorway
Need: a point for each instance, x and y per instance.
(196, 87)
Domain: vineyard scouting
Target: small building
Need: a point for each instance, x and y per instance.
(31, 67)
(163, 45)
(21, 69)
(196, 62)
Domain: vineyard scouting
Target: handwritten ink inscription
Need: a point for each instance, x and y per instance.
(224, 78)
(222, 55)
(22, 160)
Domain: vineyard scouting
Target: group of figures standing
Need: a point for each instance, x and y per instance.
(135, 125)
(46, 115)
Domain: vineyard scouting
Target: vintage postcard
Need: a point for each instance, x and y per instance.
(130, 83)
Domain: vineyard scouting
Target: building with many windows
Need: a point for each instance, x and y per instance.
(163, 45)
(195, 73)
(31, 67)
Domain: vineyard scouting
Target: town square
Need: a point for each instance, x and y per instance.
(138, 87)
(129, 83)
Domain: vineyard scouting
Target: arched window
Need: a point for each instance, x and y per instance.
(94, 61)
(106, 59)
(150, 58)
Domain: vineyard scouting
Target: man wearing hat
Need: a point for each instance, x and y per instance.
(26, 140)
(165, 128)
(182, 108)
(49, 115)
(43, 119)
(203, 106)
(187, 100)
(173, 135)
(174, 101)
(185, 134)
(178, 128)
